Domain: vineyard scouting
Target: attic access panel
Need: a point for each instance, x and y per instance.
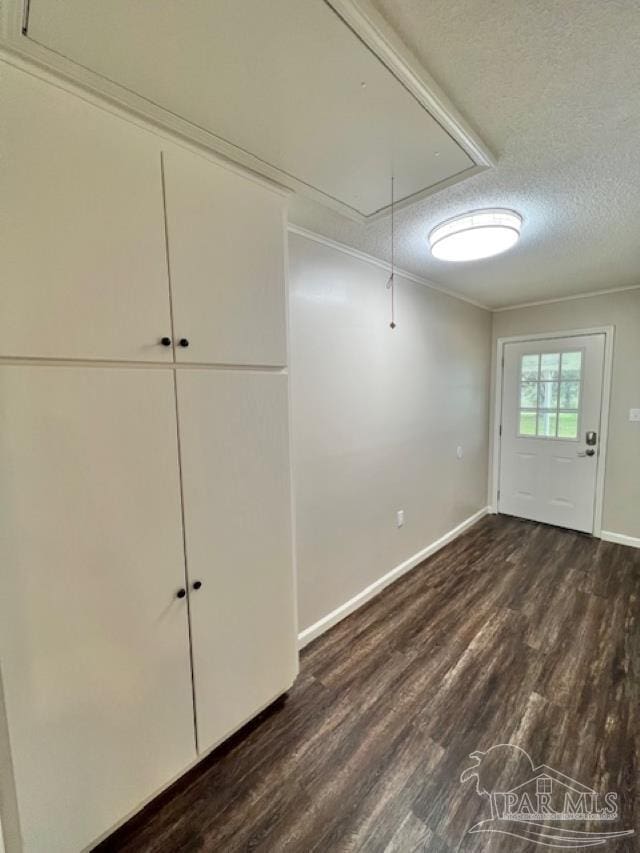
(284, 86)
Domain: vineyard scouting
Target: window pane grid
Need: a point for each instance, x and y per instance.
(550, 391)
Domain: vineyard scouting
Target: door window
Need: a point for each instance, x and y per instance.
(549, 400)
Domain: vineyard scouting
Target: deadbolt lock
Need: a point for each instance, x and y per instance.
(591, 438)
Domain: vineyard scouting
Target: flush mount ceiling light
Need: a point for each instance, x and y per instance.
(475, 235)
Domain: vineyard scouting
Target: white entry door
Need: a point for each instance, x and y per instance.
(551, 412)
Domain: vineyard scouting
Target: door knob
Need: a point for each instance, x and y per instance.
(181, 593)
(590, 451)
(166, 342)
(183, 342)
(197, 584)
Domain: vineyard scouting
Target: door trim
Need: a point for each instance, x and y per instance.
(494, 470)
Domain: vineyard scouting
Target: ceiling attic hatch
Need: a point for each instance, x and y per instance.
(320, 97)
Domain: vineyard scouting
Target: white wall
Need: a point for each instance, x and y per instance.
(621, 511)
(377, 417)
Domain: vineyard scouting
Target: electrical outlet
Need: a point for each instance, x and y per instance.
(400, 518)
(634, 415)
(459, 452)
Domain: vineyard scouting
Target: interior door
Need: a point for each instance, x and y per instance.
(93, 640)
(226, 237)
(84, 269)
(551, 413)
(235, 472)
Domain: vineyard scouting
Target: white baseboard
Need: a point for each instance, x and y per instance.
(331, 619)
(620, 538)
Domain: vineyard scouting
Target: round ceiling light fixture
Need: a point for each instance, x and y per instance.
(475, 235)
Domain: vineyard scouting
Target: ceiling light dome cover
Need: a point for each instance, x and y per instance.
(475, 235)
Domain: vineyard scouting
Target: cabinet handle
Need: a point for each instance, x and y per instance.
(181, 593)
(183, 342)
(197, 584)
(166, 342)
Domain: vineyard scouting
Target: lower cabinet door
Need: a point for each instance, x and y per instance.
(93, 639)
(236, 489)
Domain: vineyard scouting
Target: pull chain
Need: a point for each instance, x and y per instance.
(391, 283)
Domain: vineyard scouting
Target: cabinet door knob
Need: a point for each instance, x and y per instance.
(181, 593)
(197, 584)
(166, 342)
(183, 342)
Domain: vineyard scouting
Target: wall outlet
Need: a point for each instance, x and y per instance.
(459, 451)
(400, 518)
(634, 415)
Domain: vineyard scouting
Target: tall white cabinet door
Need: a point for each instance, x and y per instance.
(82, 242)
(235, 473)
(93, 640)
(226, 237)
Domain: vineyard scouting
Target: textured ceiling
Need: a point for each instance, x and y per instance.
(553, 87)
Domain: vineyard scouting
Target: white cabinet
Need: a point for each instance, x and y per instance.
(123, 483)
(84, 246)
(82, 242)
(94, 641)
(235, 472)
(226, 241)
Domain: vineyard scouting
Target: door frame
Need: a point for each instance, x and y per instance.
(494, 471)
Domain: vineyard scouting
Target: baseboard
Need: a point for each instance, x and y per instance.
(331, 619)
(620, 538)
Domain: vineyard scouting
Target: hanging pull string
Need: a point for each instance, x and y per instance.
(391, 283)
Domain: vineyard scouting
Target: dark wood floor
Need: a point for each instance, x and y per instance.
(514, 633)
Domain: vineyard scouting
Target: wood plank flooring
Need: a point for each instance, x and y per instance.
(515, 633)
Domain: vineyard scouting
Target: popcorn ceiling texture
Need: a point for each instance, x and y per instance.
(553, 87)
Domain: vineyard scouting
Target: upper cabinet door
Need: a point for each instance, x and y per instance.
(237, 506)
(82, 242)
(226, 237)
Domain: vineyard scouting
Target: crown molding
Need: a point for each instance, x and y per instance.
(378, 262)
(565, 298)
(417, 279)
